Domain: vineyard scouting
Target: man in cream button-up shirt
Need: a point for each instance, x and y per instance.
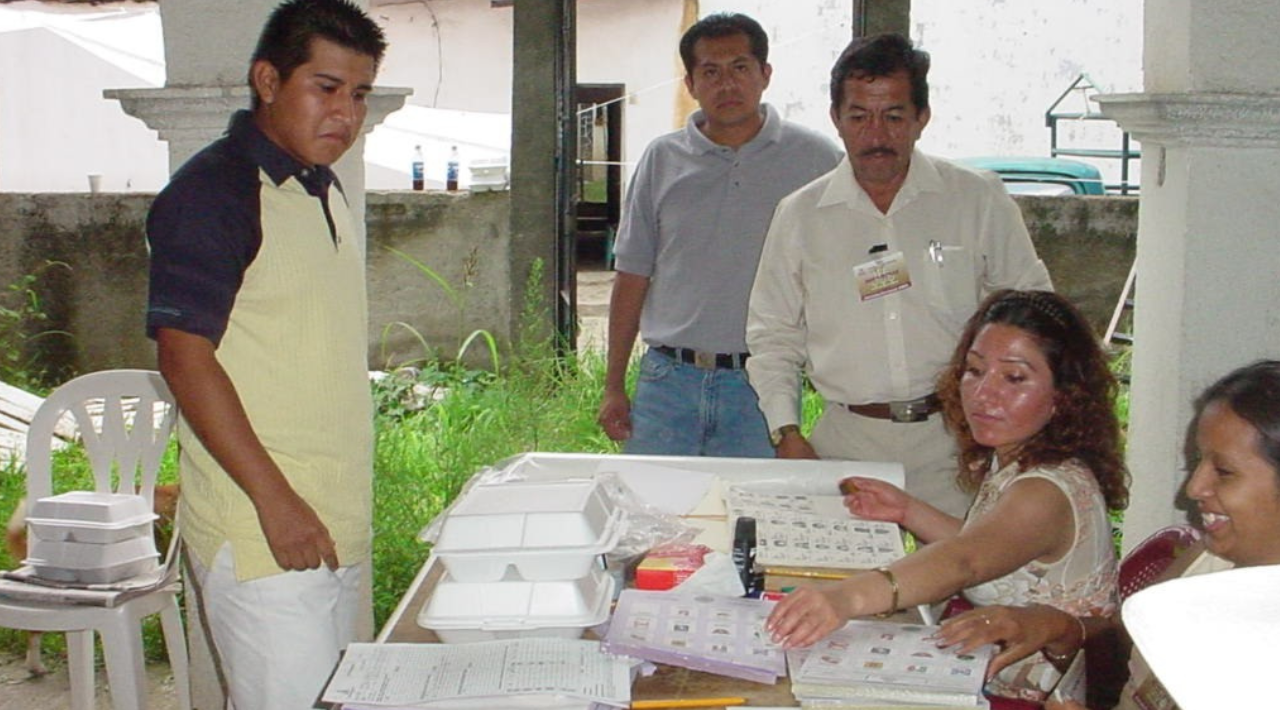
(869, 273)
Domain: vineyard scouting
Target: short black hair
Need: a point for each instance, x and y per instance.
(878, 56)
(285, 42)
(1252, 392)
(724, 24)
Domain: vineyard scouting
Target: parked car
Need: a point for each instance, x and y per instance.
(1042, 176)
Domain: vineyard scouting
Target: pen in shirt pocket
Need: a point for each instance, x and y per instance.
(938, 250)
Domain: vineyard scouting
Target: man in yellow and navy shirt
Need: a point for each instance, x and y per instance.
(258, 308)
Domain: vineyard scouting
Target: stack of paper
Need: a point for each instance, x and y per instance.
(716, 634)
(529, 672)
(885, 664)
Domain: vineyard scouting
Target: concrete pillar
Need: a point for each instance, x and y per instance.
(207, 51)
(873, 17)
(543, 151)
(1209, 124)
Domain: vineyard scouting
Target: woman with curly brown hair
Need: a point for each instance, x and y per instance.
(1029, 397)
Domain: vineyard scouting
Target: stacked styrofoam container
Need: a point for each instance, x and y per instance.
(522, 559)
(488, 174)
(86, 537)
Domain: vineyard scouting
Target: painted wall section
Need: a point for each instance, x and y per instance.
(55, 126)
(997, 67)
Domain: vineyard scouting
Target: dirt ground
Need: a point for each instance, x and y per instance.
(19, 691)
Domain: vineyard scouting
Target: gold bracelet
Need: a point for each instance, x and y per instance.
(893, 584)
(1063, 658)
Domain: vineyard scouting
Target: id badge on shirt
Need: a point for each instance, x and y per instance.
(882, 276)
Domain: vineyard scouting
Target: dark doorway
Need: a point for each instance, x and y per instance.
(598, 184)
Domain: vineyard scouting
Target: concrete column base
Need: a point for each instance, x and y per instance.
(1206, 271)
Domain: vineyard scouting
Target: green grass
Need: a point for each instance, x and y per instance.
(423, 458)
(424, 455)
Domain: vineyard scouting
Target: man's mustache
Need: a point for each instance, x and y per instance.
(873, 152)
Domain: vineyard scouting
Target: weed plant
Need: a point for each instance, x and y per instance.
(469, 420)
(435, 427)
(22, 327)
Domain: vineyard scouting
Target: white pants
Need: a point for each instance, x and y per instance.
(278, 638)
(925, 449)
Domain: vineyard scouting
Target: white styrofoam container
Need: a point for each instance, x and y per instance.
(488, 174)
(91, 507)
(89, 516)
(462, 612)
(97, 533)
(89, 563)
(549, 530)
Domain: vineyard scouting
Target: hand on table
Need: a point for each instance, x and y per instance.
(807, 615)
(1023, 630)
(795, 446)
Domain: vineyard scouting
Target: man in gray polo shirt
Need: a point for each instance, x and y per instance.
(687, 250)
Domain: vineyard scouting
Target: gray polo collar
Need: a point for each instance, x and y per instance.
(769, 133)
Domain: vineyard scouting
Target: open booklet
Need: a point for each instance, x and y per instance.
(813, 531)
(538, 672)
(716, 634)
(886, 664)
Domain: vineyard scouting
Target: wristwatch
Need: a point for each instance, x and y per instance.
(775, 436)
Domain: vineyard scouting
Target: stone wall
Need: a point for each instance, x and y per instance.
(1088, 243)
(95, 289)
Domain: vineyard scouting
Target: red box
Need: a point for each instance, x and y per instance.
(668, 565)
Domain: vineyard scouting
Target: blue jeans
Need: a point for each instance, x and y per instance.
(682, 410)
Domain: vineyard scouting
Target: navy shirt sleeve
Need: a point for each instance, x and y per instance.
(204, 231)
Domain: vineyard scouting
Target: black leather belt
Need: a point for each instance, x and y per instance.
(912, 410)
(704, 360)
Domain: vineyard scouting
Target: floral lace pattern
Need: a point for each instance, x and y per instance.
(1082, 582)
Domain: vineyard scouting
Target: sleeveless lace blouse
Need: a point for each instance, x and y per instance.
(1082, 582)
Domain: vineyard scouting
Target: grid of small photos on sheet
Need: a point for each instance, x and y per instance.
(813, 531)
(888, 660)
(723, 635)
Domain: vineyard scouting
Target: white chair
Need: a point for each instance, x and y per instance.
(124, 450)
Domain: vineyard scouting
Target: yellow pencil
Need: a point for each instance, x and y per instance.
(687, 703)
(806, 573)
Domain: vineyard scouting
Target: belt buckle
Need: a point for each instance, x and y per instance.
(909, 412)
(704, 360)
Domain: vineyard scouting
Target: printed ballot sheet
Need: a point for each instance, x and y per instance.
(889, 661)
(814, 531)
(717, 634)
(400, 674)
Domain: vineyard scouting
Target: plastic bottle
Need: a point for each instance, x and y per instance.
(417, 167)
(451, 170)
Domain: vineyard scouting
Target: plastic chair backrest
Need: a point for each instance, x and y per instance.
(124, 448)
(1146, 562)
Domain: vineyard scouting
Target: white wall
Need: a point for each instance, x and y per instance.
(802, 47)
(997, 67)
(456, 54)
(55, 126)
(634, 43)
